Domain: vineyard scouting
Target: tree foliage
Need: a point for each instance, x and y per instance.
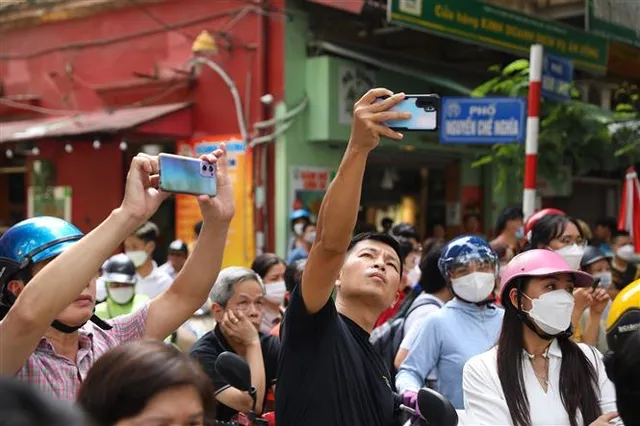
(572, 134)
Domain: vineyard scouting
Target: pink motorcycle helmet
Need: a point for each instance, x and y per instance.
(531, 220)
(538, 263)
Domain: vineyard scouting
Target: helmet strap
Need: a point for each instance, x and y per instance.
(524, 317)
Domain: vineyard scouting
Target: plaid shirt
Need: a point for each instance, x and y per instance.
(61, 377)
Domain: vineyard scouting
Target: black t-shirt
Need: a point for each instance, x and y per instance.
(329, 374)
(212, 344)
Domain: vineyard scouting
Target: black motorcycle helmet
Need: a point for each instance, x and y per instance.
(592, 254)
(119, 269)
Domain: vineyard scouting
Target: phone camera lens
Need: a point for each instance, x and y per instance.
(211, 168)
(204, 167)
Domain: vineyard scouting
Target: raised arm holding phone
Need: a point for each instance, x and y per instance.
(44, 336)
(333, 376)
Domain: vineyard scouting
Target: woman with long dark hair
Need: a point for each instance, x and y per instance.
(537, 375)
(563, 235)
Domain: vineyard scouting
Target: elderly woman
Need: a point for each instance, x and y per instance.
(237, 303)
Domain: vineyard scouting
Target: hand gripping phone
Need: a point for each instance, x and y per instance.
(186, 175)
(425, 113)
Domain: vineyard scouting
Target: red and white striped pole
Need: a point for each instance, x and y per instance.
(533, 129)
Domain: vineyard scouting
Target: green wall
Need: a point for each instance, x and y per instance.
(292, 147)
(317, 77)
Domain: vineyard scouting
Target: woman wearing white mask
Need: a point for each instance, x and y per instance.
(271, 269)
(592, 328)
(563, 235)
(303, 243)
(537, 375)
(466, 326)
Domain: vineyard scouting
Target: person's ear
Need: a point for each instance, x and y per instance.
(15, 287)
(218, 311)
(151, 246)
(513, 297)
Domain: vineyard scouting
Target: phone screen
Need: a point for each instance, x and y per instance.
(424, 109)
(187, 175)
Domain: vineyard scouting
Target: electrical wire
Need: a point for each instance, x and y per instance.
(289, 115)
(100, 42)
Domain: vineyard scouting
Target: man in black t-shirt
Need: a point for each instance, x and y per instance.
(329, 374)
(237, 304)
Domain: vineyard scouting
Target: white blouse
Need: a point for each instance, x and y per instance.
(484, 399)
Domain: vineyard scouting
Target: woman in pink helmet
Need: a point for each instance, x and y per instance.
(537, 375)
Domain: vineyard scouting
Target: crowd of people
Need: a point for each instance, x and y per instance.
(511, 330)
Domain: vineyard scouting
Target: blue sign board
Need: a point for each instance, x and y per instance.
(557, 77)
(482, 120)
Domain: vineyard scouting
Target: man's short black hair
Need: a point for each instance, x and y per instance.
(620, 233)
(506, 215)
(431, 279)
(381, 238)
(386, 222)
(149, 232)
(405, 230)
(609, 223)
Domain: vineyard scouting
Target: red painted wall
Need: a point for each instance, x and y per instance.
(96, 178)
(65, 62)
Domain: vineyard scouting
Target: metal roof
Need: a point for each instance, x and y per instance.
(83, 123)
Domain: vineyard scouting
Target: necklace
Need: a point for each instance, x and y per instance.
(543, 379)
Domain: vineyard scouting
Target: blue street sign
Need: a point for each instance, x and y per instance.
(482, 120)
(557, 77)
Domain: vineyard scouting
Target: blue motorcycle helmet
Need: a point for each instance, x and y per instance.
(29, 242)
(299, 214)
(467, 253)
(461, 258)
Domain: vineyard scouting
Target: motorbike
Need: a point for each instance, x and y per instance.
(435, 409)
(236, 371)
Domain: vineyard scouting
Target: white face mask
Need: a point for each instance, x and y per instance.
(269, 320)
(275, 292)
(298, 228)
(414, 275)
(628, 254)
(552, 311)
(520, 233)
(572, 255)
(121, 295)
(474, 287)
(138, 257)
(606, 279)
(310, 238)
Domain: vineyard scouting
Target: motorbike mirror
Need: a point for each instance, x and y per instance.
(235, 370)
(436, 409)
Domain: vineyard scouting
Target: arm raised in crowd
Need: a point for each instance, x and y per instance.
(191, 287)
(61, 281)
(339, 209)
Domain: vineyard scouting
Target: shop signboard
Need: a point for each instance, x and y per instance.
(482, 120)
(502, 29)
(240, 249)
(615, 20)
(557, 77)
(308, 185)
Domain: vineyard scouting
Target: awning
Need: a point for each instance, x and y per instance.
(169, 120)
(394, 63)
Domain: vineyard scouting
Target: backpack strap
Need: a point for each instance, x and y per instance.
(419, 305)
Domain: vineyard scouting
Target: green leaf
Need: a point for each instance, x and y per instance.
(483, 161)
(515, 67)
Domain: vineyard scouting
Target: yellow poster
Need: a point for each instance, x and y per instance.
(240, 249)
